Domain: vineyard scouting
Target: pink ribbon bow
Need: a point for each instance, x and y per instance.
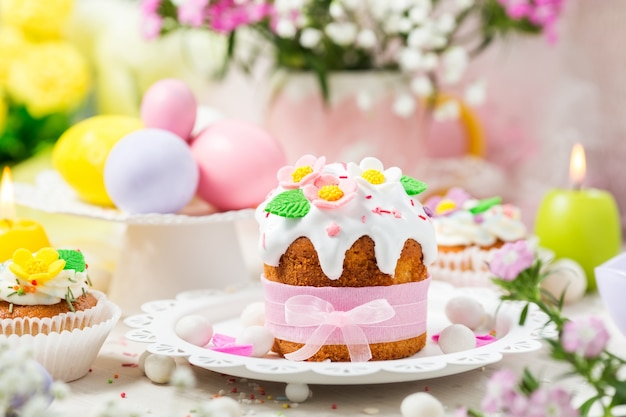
(309, 310)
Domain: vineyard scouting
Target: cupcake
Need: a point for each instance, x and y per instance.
(46, 304)
(468, 231)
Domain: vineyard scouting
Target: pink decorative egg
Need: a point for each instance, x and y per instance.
(238, 162)
(169, 104)
(151, 171)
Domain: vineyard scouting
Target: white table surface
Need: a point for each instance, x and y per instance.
(118, 354)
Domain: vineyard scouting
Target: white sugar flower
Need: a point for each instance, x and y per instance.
(422, 86)
(475, 93)
(342, 33)
(454, 62)
(404, 105)
(366, 39)
(310, 37)
(371, 172)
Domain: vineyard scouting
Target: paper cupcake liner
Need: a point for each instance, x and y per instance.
(68, 354)
(466, 268)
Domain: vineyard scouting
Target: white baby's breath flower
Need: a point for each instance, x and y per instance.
(405, 25)
(285, 28)
(336, 10)
(399, 6)
(378, 9)
(419, 37)
(422, 86)
(183, 378)
(342, 33)
(391, 25)
(221, 406)
(366, 39)
(60, 390)
(449, 110)
(437, 41)
(404, 105)
(446, 23)
(464, 4)
(430, 61)
(310, 37)
(351, 4)
(410, 59)
(419, 14)
(475, 93)
(454, 62)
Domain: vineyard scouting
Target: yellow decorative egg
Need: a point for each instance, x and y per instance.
(81, 153)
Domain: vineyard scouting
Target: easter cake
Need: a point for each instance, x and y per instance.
(346, 249)
(46, 303)
(468, 232)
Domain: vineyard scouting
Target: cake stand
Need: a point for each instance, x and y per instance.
(161, 254)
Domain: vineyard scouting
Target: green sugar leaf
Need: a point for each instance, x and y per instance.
(291, 204)
(73, 259)
(486, 204)
(412, 186)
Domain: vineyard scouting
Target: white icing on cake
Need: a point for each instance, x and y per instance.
(384, 212)
(500, 222)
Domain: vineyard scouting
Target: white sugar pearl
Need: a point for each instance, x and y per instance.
(259, 337)
(253, 314)
(297, 392)
(565, 275)
(194, 329)
(421, 404)
(159, 368)
(466, 311)
(141, 362)
(221, 406)
(456, 338)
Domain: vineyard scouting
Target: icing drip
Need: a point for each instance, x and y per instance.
(382, 211)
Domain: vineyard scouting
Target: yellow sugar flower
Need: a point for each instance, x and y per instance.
(49, 77)
(38, 19)
(37, 269)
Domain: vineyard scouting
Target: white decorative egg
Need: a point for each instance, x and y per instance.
(456, 338)
(466, 311)
(297, 392)
(253, 314)
(421, 404)
(159, 368)
(194, 329)
(259, 337)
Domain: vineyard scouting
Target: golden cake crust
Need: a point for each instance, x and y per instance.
(84, 302)
(300, 265)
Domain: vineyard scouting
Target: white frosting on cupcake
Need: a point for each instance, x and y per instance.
(359, 200)
(40, 279)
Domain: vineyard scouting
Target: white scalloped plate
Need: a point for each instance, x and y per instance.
(50, 193)
(156, 327)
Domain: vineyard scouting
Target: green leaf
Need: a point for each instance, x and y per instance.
(586, 406)
(522, 317)
(290, 204)
(486, 204)
(73, 259)
(412, 186)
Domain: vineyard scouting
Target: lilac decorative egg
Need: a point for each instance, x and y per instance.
(169, 104)
(151, 171)
(238, 162)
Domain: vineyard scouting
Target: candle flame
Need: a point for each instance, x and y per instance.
(7, 198)
(577, 165)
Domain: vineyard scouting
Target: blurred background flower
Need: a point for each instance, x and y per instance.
(44, 80)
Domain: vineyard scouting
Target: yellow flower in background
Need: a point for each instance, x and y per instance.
(12, 44)
(49, 77)
(38, 19)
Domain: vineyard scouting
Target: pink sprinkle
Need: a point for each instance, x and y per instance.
(422, 217)
(267, 214)
(426, 388)
(343, 177)
(376, 210)
(333, 406)
(385, 211)
(368, 196)
(412, 202)
(396, 214)
(333, 229)
(130, 365)
(123, 395)
(129, 354)
(363, 219)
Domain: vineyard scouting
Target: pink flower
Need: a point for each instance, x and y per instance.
(461, 412)
(451, 202)
(500, 391)
(192, 12)
(306, 170)
(587, 337)
(151, 25)
(330, 192)
(550, 402)
(227, 15)
(511, 259)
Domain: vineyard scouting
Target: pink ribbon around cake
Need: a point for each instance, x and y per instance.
(354, 316)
